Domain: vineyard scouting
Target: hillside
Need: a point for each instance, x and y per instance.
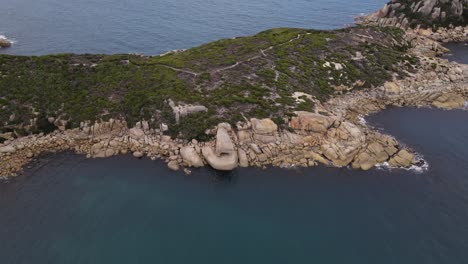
(257, 76)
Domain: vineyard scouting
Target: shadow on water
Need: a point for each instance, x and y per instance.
(223, 177)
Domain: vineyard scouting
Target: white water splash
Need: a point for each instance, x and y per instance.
(414, 168)
(3, 37)
(362, 120)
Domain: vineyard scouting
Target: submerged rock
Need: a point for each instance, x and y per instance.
(137, 154)
(173, 165)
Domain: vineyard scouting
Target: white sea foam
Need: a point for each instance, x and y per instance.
(414, 168)
(3, 37)
(362, 120)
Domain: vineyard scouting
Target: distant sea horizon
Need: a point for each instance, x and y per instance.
(39, 27)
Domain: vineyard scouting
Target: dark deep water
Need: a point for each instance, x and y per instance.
(123, 210)
(156, 26)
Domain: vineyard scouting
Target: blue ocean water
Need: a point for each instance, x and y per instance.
(156, 26)
(123, 210)
(458, 52)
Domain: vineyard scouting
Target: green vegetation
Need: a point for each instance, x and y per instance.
(272, 65)
(226, 52)
(417, 18)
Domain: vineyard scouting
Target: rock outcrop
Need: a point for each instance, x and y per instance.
(264, 130)
(224, 157)
(449, 101)
(343, 143)
(310, 122)
(402, 159)
(424, 13)
(191, 157)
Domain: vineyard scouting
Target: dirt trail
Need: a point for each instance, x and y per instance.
(218, 70)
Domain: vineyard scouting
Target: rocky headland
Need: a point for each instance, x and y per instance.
(285, 97)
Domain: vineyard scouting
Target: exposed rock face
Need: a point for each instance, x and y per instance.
(343, 143)
(391, 88)
(191, 157)
(264, 130)
(243, 160)
(224, 157)
(263, 126)
(402, 159)
(7, 149)
(224, 143)
(380, 148)
(311, 122)
(137, 133)
(449, 101)
(426, 13)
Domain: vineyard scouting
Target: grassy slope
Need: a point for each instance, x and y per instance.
(90, 87)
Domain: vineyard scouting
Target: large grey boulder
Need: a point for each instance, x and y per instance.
(224, 157)
(191, 157)
(341, 144)
(7, 149)
(310, 122)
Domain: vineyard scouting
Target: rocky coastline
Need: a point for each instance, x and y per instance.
(331, 133)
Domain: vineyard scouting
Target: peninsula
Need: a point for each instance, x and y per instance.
(284, 97)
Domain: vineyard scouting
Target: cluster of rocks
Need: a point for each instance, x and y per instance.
(425, 13)
(320, 139)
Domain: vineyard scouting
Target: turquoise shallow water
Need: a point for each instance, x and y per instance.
(156, 26)
(123, 210)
